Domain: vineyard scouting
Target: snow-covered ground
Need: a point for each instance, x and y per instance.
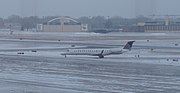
(37, 66)
(156, 50)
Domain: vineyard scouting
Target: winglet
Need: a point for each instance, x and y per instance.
(129, 45)
(102, 52)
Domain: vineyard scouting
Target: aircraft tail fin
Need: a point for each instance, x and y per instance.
(129, 45)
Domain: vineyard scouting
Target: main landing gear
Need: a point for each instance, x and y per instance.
(101, 56)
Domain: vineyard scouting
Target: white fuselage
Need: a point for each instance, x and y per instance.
(95, 52)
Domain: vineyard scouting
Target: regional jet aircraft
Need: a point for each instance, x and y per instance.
(100, 52)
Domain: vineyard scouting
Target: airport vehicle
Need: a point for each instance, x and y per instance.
(100, 52)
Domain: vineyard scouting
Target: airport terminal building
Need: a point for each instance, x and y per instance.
(160, 26)
(154, 26)
(62, 24)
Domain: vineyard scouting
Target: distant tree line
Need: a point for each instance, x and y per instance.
(110, 22)
(94, 22)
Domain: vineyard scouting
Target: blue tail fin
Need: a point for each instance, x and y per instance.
(129, 45)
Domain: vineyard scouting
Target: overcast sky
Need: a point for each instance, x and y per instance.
(78, 8)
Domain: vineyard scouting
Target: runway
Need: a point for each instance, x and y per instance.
(32, 65)
(47, 75)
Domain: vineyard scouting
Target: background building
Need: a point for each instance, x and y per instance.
(62, 24)
(170, 23)
(161, 24)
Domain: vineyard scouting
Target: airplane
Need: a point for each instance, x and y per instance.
(100, 52)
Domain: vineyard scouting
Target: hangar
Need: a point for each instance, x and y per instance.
(62, 24)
